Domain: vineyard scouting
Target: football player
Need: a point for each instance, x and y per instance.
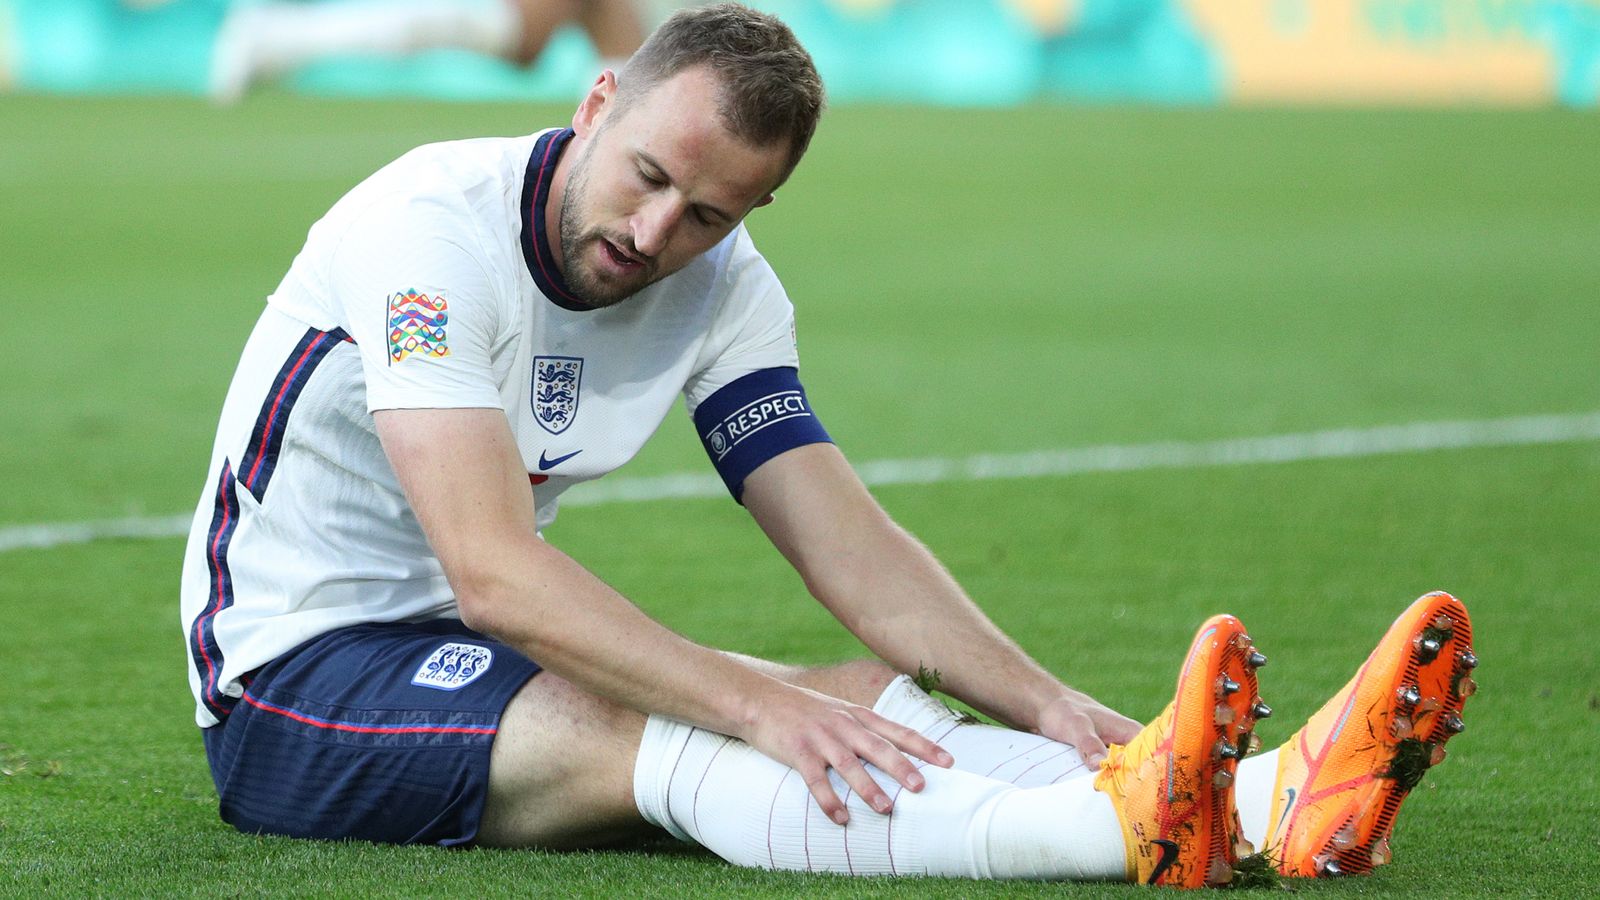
(382, 647)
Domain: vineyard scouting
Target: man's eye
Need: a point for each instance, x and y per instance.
(647, 178)
(702, 219)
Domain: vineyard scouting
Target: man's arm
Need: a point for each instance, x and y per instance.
(884, 586)
(464, 479)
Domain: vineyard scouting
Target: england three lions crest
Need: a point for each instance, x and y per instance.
(556, 381)
(453, 667)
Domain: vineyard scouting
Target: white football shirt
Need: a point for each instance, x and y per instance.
(430, 285)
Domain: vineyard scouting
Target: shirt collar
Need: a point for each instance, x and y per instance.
(535, 231)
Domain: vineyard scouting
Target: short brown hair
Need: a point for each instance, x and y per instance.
(770, 88)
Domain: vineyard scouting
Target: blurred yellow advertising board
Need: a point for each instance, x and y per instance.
(1406, 51)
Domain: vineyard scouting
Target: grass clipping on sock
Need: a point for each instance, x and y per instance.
(928, 680)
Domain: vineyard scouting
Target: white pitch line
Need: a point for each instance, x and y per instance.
(57, 534)
(1343, 443)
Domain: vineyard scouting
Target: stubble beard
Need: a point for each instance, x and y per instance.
(582, 280)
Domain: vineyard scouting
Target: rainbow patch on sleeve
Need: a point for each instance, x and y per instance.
(416, 325)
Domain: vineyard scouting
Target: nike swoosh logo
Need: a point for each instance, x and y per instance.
(546, 464)
(1288, 806)
(1169, 855)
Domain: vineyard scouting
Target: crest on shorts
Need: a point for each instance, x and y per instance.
(556, 380)
(416, 325)
(453, 667)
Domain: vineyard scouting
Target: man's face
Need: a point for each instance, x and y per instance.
(654, 185)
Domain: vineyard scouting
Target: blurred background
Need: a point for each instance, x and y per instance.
(964, 52)
(1026, 227)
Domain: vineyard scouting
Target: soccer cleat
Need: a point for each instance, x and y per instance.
(1172, 785)
(1342, 777)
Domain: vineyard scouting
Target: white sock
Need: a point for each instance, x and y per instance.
(1028, 760)
(285, 36)
(1015, 757)
(753, 811)
(1252, 791)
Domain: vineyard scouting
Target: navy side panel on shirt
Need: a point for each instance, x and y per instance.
(754, 418)
(254, 473)
(266, 440)
(202, 639)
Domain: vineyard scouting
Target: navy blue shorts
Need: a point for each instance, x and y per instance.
(377, 732)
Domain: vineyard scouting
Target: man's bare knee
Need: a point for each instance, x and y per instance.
(538, 21)
(561, 770)
(863, 679)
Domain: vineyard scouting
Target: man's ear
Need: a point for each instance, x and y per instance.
(764, 201)
(596, 104)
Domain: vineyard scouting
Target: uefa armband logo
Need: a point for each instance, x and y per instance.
(416, 325)
(453, 667)
(753, 417)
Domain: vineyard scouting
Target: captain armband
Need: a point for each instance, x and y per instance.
(754, 418)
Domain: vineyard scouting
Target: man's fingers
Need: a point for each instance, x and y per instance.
(849, 739)
(922, 748)
(1084, 730)
(1089, 726)
(1114, 727)
(860, 780)
(1120, 730)
(893, 763)
(1091, 748)
(822, 790)
(908, 740)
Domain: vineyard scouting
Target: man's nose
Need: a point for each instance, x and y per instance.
(653, 226)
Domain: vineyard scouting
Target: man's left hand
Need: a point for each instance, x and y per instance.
(1076, 718)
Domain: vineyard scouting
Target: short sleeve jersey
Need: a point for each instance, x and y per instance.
(432, 285)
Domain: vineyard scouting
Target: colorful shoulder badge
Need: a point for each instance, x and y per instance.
(416, 325)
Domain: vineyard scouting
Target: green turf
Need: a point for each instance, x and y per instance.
(966, 282)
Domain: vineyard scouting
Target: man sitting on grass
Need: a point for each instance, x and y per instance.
(382, 647)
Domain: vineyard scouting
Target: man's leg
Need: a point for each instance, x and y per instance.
(536, 23)
(543, 793)
(753, 811)
(566, 768)
(1160, 810)
(270, 40)
(615, 29)
(561, 770)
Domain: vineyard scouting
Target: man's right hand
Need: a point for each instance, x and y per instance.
(812, 733)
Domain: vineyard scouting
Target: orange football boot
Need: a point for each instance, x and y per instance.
(1342, 777)
(1172, 785)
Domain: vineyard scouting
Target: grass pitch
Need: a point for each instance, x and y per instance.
(966, 282)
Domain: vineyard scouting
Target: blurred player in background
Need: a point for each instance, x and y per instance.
(260, 42)
(382, 646)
